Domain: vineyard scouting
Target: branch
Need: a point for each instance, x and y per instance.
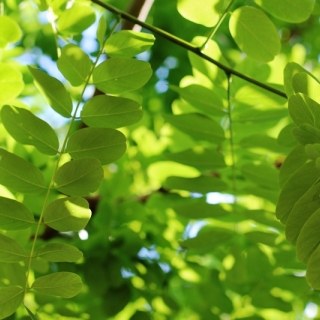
(184, 44)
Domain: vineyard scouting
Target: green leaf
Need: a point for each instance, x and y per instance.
(79, 177)
(54, 91)
(110, 112)
(118, 75)
(14, 215)
(59, 252)
(10, 300)
(294, 11)
(202, 184)
(31, 315)
(313, 151)
(197, 126)
(11, 83)
(20, 175)
(254, 33)
(202, 98)
(260, 142)
(74, 64)
(101, 30)
(313, 269)
(302, 110)
(67, 214)
(10, 250)
(10, 31)
(107, 145)
(285, 137)
(306, 134)
(128, 43)
(205, 12)
(302, 82)
(198, 157)
(299, 183)
(28, 129)
(76, 19)
(266, 238)
(62, 284)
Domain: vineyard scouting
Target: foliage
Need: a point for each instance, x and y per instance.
(195, 207)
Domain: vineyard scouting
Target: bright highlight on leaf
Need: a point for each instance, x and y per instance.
(61, 284)
(10, 31)
(28, 129)
(67, 214)
(254, 33)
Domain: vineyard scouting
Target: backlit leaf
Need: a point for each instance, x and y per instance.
(10, 300)
(197, 126)
(62, 284)
(110, 112)
(74, 64)
(304, 83)
(14, 215)
(119, 75)
(10, 250)
(101, 30)
(59, 252)
(105, 144)
(20, 175)
(67, 214)
(28, 129)
(128, 43)
(54, 91)
(254, 33)
(10, 31)
(79, 177)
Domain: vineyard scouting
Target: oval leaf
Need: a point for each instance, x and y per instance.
(67, 214)
(59, 252)
(74, 64)
(10, 31)
(62, 284)
(110, 112)
(79, 177)
(10, 300)
(304, 83)
(254, 33)
(10, 250)
(20, 175)
(107, 145)
(14, 215)
(54, 91)
(118, 75)
(313, 274)
(28, 129)
(101, 30)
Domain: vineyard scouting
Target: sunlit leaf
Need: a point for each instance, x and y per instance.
(119, 75)
(28, 129)
(54, 91)
(105, 144)
(62, 284)
(110, 112)
(11, 82)
(254, 33)
(302, 82)
(20, 175)
(79, 177)
(197, 126)
(101, 30)
(10, 250)
(14, 215)
(59, 252)
(128, 43)
(294, 11)
(74, 64)
(67, 214)
(76, 19)
(10, 31)
(10, 300)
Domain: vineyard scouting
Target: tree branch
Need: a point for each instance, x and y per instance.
(190, 47)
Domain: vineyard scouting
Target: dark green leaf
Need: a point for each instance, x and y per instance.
(118, 75)
(54, 91)
(79, 177)
(28, 129)
(10, 300)
(10, 250)
(59, 252)
(67, 214)
(110, 112)
(62, 284)
(313, 275)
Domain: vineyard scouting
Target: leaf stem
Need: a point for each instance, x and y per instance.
(216, 27)
(190, 47)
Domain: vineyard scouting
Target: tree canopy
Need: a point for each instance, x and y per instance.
(159, 159)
